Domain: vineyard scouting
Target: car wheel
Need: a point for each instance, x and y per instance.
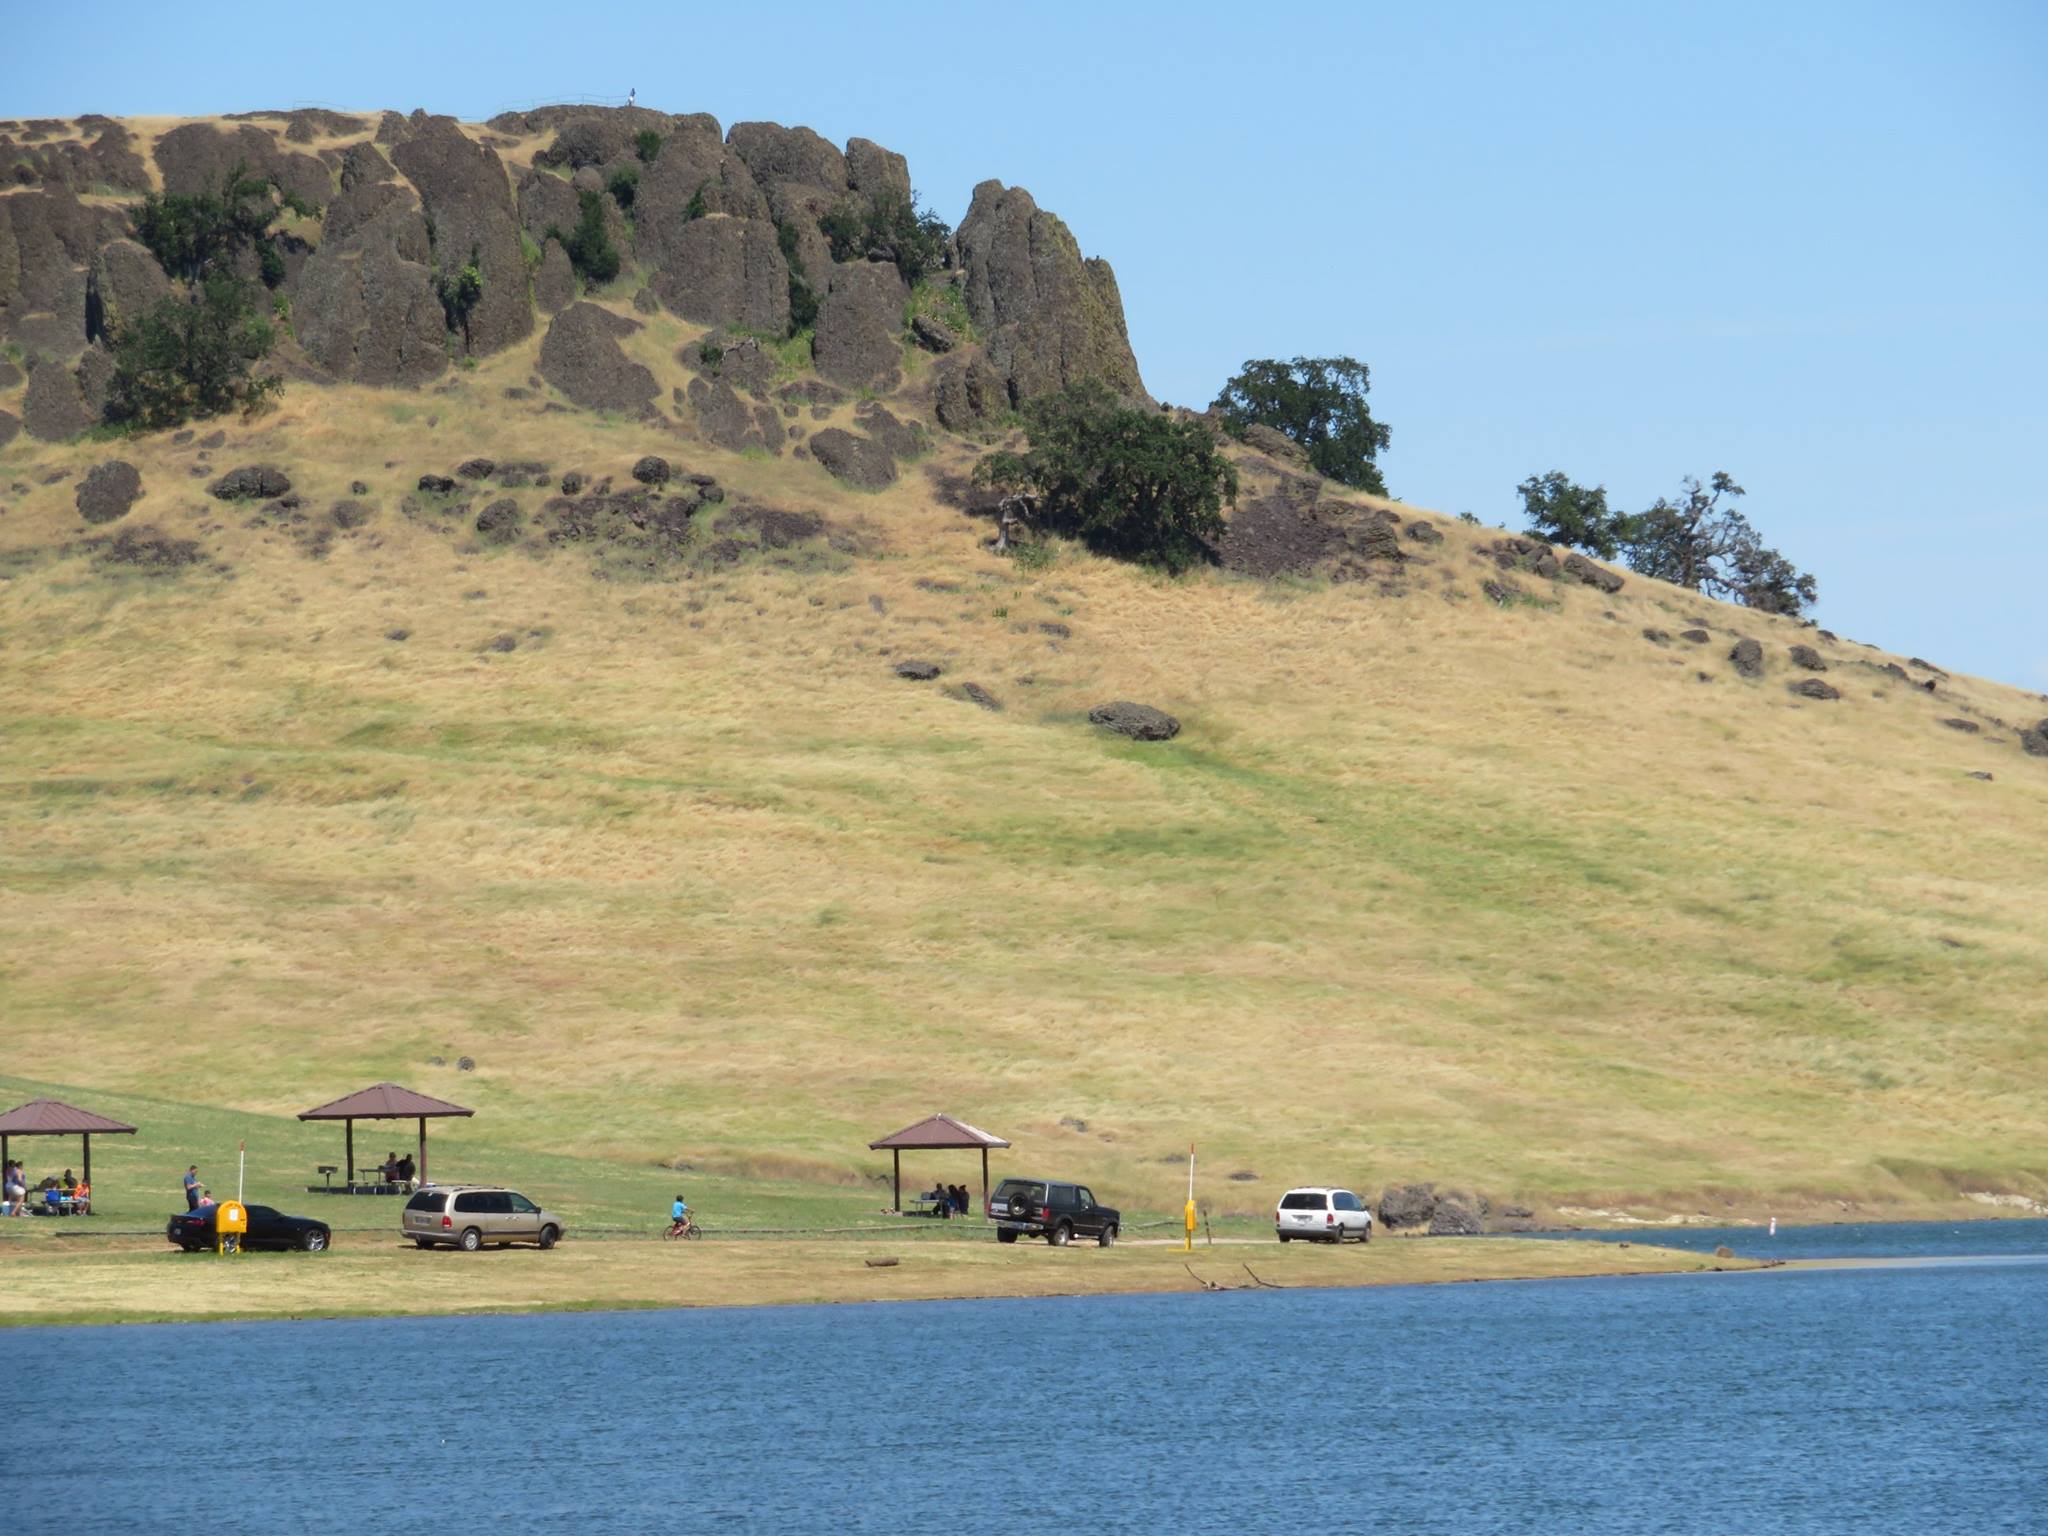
(1005, 1235)
(313, 1242)
(1285, 1238)
(1365, 1235)
(471, 1239)
(424, 1242)
(1107, 1239)
(548, 1236)
(1060, 1235)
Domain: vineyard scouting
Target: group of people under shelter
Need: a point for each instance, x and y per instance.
(949, 1200)
(52, 1197)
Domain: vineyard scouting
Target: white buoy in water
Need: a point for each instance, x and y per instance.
(1774, 1226)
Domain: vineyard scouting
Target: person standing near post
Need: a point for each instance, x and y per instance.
(192, 1188)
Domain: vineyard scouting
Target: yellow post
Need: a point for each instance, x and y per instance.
(1188, 1215)
(230, 1226)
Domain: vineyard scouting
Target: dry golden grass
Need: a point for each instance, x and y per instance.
(1428, 888)
(94, 1282)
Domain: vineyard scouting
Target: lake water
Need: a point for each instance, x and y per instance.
(1909, 1400)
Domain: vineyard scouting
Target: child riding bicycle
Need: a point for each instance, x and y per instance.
(679, 1218)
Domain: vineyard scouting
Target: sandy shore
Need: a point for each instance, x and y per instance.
(140, 1280)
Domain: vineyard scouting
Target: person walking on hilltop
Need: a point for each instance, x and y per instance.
(192, 1188)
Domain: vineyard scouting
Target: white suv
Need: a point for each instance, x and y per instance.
(1322, 1215)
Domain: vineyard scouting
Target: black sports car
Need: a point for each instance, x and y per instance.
(193, 1230)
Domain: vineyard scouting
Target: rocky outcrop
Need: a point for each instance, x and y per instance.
(581, 356)
(554, 285)
(46, 240)
(108, 159)
(10, 428)
(874, 172)
(1050, 317)
(726, 271)
(1407, 1205)
(860, 326)
(1597, 576)
(903, 439)
(365, 314)
(467, 198)
(197, 157)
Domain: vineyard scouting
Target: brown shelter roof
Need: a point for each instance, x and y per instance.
(48, 1117)
(937, 1131)
(385, 1101)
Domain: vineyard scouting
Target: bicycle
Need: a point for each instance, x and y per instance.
(687, 1228)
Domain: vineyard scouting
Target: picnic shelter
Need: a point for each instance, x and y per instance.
(937, 1133)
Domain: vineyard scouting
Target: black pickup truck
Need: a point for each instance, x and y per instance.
(1046, 1208)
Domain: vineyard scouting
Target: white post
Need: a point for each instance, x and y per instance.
(241, 1168)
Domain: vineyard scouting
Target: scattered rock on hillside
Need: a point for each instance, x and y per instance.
(2035, 742)
(967, 394)
(10, 428)
(1140, 722)
(477, 469)
(1423, 532)
(500, 522)
(1407, 1205)
(1576, 564)
(933, 334)
(437, 485)
(858, 461)
(1292, 531)
(108, 491)
(54, 407)
(1813, 688)
(1806, 656)
(652, 470)
(503, 642)
(348, 514)
(1748, 657)
(581, 356)
(1968, 727)
(148, 551)
(251, 482)
(918, 671)
(1696, 636)
(1275, 444)
(974, 693)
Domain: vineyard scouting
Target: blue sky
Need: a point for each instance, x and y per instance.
(1805, 244)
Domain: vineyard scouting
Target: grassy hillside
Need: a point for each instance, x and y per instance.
(1429, 887)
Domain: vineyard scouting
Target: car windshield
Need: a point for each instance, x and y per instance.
(1021, 1189)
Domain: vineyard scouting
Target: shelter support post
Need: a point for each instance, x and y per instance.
(85, 1139)
(896, 1157)
(4, 1158)
(984, 1181)
(423, 1149)
(348, 1131)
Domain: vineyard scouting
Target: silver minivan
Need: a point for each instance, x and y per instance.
(468, 1216)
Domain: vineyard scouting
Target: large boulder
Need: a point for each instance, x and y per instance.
(108, 491)
(858, 461)
(1806, 656)
(903, 439)
(775, 154)
(54, 407)
(860, 326)
(1050, 317)
(1813, 688)
(1576, 564)
(726, 271)
(581, 356)
(1140, 722)
(122, 282)
(1748, 657)
(1407, 1205)
(1457, 1215)
(468, 202)
(251, 482)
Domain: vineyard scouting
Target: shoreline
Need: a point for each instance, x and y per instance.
(69, 1287)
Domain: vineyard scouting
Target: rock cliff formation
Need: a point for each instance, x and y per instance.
(723, 229)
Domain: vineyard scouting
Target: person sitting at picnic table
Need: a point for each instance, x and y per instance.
(405, 1169)
(68, 1183)
(81, 1199)
(389, 1171)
